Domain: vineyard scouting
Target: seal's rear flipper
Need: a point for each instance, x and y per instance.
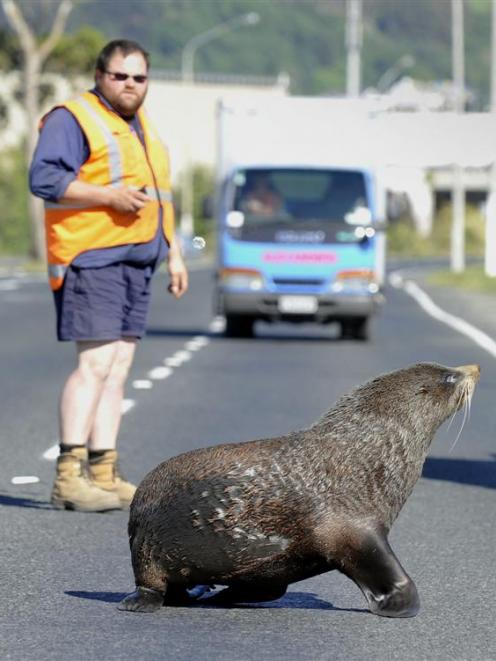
(372, 565)
(142, 600)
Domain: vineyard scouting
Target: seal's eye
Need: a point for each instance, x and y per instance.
(451, 378)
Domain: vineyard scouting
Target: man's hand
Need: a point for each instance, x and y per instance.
(126, 200)
(121, 198)
(177, 272)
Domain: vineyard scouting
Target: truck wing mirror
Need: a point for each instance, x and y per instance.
(208, 206)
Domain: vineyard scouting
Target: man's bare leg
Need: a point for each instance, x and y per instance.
(83, 390)
(103, 467)
(107, 419)
(78, 406)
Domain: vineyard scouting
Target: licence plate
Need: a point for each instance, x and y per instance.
(298, 304)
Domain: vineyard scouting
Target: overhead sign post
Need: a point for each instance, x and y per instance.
(353, 47)
(490, 247)
(458, 195)
(490, 238)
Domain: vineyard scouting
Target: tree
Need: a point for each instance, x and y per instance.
(76, 53)
(34, 57)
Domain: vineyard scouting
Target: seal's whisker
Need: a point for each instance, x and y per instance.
(465, 401)
(452, 417)
(458, 434)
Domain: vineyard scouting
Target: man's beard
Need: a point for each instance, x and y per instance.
(129, 106)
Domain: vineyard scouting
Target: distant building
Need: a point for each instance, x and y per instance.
(183, 113)
(411, 95)
(409, 130)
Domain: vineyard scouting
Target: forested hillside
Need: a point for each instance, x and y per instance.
(305, 38)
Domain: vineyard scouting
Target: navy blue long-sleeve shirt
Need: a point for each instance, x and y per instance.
(61, 151)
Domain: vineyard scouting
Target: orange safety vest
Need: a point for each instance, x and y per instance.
(117, 158)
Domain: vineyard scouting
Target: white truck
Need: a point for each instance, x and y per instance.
(299, 207)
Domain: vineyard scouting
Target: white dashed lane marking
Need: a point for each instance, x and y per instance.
(52, 453)
(161, 372)
(127, 405)
(142, 384)
(9, 285)
(158, 373)
(217, 325)
(25, 479)
(196, 343)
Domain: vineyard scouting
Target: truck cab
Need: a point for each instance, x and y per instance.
(300, 209)
(298, 244)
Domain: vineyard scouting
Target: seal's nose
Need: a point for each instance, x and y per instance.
(470, 370)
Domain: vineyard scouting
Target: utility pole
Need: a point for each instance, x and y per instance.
(490, 247)
(353, 47)
(458, 193)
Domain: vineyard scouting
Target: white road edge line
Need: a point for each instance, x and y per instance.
(457, 323)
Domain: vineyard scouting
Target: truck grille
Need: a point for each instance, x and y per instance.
(299, 281)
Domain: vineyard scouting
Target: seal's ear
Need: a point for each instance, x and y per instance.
(422, 390)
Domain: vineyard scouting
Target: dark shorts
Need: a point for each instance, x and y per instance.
(106, 303)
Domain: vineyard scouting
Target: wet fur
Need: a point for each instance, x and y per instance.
(259, 515)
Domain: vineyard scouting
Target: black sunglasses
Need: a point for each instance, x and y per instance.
(121, 77)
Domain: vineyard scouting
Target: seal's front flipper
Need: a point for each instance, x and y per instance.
(389, 590)
(142, 600)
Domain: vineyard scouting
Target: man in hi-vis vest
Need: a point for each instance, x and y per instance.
(104, 175)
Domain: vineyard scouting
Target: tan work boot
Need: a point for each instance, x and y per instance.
(103, 472)
(72, 488)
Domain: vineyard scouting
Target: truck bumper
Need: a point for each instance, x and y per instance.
(260, 305)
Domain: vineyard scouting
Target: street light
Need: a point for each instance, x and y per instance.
(189, 50)
(188, 77)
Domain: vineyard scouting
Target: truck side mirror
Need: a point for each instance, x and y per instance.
(208, 207)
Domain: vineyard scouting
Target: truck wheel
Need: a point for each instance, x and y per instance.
(355, 329)
(239, 326)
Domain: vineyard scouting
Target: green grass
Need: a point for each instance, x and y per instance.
(404, 241)
(472, 278)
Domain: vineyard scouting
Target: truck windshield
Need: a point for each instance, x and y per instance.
(290, 204)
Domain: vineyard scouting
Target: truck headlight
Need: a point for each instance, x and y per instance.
(241, 279)
(355, 281)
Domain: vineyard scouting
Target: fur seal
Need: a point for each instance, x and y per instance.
(259, 515)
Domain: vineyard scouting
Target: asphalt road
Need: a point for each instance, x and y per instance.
(62, 573)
